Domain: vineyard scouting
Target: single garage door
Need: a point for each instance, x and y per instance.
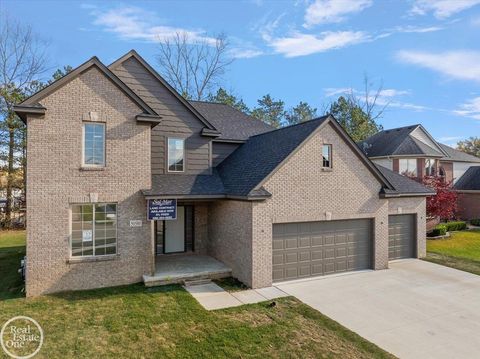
(401, 236)
(317, 248)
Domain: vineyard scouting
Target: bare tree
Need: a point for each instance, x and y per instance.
(193, 66)
(370, 100)
(22, 59)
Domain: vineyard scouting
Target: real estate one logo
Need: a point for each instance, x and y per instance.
(21, 337)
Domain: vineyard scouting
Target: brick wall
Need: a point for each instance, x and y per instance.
(55, 181)
(301, 191)
(469, 205)
(230, 237)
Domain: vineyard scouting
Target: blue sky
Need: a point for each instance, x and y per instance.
(425, 52)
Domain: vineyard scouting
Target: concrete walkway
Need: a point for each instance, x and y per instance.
(416, 309)
(212, 296)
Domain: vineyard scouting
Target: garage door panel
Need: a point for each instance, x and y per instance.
(304, 257)
(291, 243)
(328, 239)
(291, 258)
(316, 241)
(278, 244)
(317, 248)
(278, 259)
(401, 236)
(304, 242)
(316, 254)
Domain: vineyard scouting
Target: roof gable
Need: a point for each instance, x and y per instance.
(33, 100)
(250, 166)
(234, 125)
(457, 156)
(133, 54)
(421, 134)
(470, 181)
(403, 141)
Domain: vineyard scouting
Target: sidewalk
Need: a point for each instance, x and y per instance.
(211, 296)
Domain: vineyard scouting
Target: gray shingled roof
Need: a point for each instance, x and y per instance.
(403, 185)
(230, 122)
(252, 162)
(470, 181)
(181, 185)
(396, 142)
(456, 155)
(255, 160)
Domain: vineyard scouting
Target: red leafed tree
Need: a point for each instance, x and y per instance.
(444, 203)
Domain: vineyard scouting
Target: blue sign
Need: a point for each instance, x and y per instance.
(162, 209)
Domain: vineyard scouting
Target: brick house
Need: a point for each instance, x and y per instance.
(412, 151)
(127, 180)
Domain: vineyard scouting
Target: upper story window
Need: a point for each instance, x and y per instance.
(408, 167)
(429, 167)
(94, 229)
(176, 155)
(327, 156)
(94, 144)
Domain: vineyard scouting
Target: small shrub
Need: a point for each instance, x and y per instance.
(475, 222)
(456, 226)
(439, 230)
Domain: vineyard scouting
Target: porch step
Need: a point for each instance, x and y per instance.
(190, 283)
(157, 280)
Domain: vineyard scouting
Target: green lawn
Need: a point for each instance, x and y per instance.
(12, 250)
(166, 322)
(461, 251)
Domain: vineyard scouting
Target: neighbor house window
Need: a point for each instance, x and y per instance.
(94, 144)
(408, 166)
(176, 155)
(327, 156)
(429, 167)
(94, 229)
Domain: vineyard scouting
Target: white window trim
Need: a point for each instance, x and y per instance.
(330, 155)
(184, 156)
(79, 258)
(104, 164)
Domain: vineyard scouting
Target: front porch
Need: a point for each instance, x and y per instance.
(178, 268)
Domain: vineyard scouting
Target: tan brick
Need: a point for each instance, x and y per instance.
(55, 181)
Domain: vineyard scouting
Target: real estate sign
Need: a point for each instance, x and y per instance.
(162, 209)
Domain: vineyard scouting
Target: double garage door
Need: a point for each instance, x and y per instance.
(310, 249)
(317, 248)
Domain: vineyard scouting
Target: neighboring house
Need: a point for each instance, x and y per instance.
(412, 151)
(468, 188)
(104, 143)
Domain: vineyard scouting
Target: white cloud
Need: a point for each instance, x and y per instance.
(476, 22)
(133, 23)
(417, 29)
(299, 44)
(331, 11)
(464, 65)
(471, 108)
(441, 9)
(245, 53)
(386, 97)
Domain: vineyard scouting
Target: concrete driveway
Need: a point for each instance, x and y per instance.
(415, 309)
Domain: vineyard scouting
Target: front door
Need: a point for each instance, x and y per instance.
(175, 233)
